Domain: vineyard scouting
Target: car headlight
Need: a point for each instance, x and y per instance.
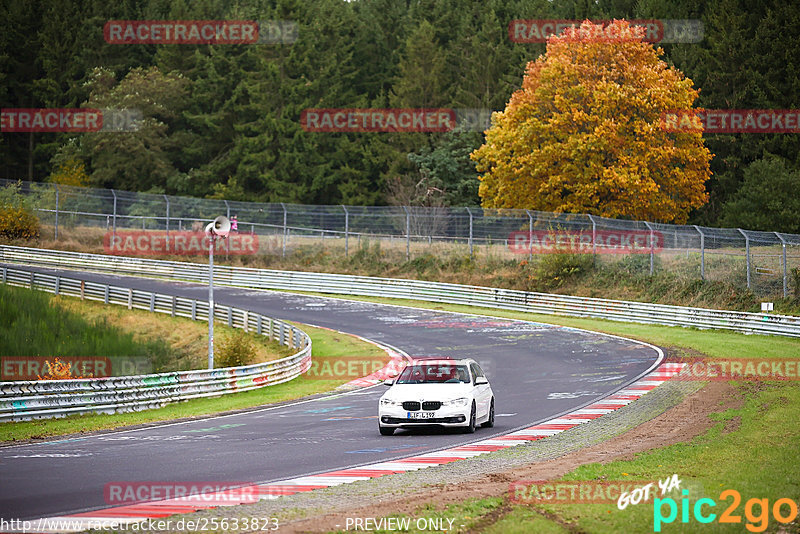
(461, 401)
(389, 402)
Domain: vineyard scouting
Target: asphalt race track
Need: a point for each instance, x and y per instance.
(537, 372)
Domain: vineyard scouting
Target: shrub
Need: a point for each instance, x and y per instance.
(556, 268)
(17, 220)
(235, 350)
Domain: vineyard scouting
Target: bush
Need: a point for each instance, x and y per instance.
(796, 278)
(235, 350)
(17, 220)
(556, 268)
(637, 263)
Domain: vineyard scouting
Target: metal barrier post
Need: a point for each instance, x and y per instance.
(114, 230)
(530, 236)
(283, 254)
(651, 246)
(783, 261)
(167, 222)
(470, 231)
(408, 233)
(702, 252)
(346, 229)
(747, 249)
(594, 240)
(228, 215)
(56, 237)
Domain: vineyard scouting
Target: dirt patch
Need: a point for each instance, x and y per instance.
(679, 424)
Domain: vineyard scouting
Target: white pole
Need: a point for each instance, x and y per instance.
(211, 240)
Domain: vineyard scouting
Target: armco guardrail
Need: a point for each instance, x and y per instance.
(22, 400)
(509, 299)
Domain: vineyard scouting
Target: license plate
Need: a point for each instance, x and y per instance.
(421, 415)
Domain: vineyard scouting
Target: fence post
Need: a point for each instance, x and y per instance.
(167, 222)
(747, 251)
(594, 240)
(408, 233)
(470, 231)
(228, 215)
(651, 246)
(56, 237)
(114, 227)
(346, 229)
(702, 252)
(783, 261)
(283, 254)
(530, 236)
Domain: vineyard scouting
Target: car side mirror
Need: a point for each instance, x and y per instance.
(388, 382)
(481, 380)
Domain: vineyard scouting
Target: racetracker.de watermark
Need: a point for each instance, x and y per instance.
(346, 368)
(55, 367)
(182, 243)
(731, 121)
(651, 30)
(749, 369)
(200, 32)
(73, 120)
(576, 491)
(375, 120)
(586, 241)
(219, 493)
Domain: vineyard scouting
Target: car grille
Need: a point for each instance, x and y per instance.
(431, 405)
(411, 406)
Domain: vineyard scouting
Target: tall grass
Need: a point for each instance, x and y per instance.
(31, 324)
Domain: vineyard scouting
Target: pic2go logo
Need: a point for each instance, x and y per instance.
(783, 510)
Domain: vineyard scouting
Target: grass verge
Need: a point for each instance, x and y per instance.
(35, 323)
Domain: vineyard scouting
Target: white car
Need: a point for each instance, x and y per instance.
(444, 392)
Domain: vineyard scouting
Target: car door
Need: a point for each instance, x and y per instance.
(483, 394)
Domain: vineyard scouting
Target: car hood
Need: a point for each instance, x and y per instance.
(441, 392)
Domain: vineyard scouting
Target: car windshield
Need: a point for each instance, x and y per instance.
(434, 374)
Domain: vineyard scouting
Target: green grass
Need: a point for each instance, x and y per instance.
(31, 325)
(35, 323)
(327, 345)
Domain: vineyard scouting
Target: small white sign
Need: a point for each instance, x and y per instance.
(766, 307)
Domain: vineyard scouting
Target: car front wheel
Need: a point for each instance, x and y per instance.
(490, 422)
(470, 428)
(386, 431)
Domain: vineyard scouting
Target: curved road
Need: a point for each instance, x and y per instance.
(537, 372)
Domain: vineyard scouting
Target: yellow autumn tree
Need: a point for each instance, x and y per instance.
(70, 172)
(584, 135)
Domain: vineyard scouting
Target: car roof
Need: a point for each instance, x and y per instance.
(440, 360)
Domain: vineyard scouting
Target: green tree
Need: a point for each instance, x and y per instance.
(138, 160)
(768, 198)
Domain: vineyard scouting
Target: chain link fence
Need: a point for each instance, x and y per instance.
(766, 262)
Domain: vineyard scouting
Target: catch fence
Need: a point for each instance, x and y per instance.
(768, 263)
